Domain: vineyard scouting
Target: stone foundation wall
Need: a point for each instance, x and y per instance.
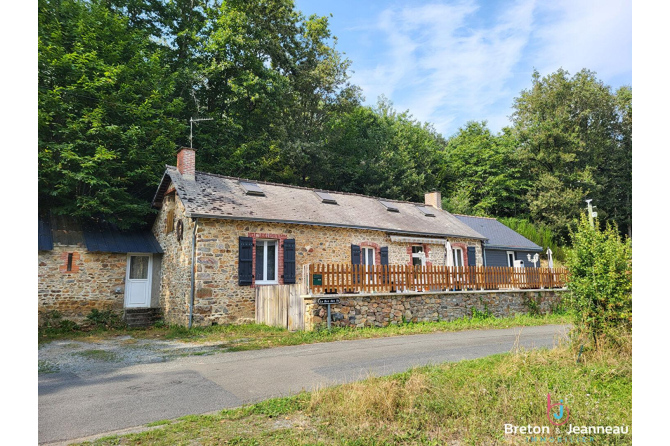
(380, 310)
(96, 280)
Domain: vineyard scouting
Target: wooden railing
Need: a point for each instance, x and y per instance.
(347, 278)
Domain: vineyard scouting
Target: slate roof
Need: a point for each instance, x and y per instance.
(97, 237)
(110, 240)
(45, 240)
(218, 196)
(499, 236)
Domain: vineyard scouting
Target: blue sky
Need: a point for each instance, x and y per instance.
(449, 62)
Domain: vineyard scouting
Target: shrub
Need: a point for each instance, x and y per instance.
(600, 280)
(106, 318)
(53, 322)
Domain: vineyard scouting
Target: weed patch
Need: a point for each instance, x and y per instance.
(99, 355)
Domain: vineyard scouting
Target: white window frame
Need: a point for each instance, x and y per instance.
(510, 263)
(458, 253)
(364, 252)
(419, 255)
(265, 243)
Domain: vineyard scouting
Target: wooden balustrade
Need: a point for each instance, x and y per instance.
(346, 278)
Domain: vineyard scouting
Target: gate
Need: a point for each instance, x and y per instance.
(280, 306)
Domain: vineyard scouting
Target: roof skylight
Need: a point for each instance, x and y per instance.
(252, 189)
(326, 197)
(391, 207)
(427, 211)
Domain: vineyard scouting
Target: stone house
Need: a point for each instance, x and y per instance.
(96, 266)
(241, 234)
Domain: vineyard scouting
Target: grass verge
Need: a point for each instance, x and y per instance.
(468, 402)
(256, 336)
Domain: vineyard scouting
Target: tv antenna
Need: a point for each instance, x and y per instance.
(196, 121)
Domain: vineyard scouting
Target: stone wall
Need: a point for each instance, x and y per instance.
(380, 310)
(219, 298)
(175, 276)
(96, 280)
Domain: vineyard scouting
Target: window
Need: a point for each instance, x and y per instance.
(267, 256)
(69, 262)
(391, 207)
(458, 257)
(326, 197)
(169, 218)
(510, 258)
(368, 255)
(427, 211)
(418, 256)
(252, 189)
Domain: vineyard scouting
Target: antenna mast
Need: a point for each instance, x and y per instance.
(196, 121)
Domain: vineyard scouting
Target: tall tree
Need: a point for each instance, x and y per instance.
(484, 176)
(107, 113)
(569, 131)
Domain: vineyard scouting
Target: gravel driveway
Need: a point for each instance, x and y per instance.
(87, 358)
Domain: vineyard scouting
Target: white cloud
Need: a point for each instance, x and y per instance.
(453, 62)
(440, 67)
(596, 34)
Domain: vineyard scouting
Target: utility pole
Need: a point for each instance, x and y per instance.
(196, 121)
(590, 210)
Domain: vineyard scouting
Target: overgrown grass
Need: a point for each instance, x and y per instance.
(454, 403)
(256, 336)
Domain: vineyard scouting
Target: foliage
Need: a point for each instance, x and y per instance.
(574, 138)
(600, 264)
(483, 176)
(106, 116)
(381, 152)
(538, 233)
(108, 319)
(53, 322)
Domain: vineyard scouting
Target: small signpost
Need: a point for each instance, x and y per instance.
(328, 302)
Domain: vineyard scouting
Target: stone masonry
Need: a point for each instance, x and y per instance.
(218, 297)
(380, 310)
(95, 281)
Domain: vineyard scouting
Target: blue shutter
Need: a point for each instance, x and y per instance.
(246, 259)
(355, 254)
(384, 255)
(289, 261)
(472, 259)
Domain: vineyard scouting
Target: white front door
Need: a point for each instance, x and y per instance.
(138, 281)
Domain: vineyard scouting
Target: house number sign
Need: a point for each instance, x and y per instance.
(328, 302)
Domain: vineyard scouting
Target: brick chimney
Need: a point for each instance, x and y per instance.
(186, 163)
(434, 199)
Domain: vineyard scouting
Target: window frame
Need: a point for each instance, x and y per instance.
(364, 255)
(510, 264)
(420, 254)
(265, 243)
(458, 251)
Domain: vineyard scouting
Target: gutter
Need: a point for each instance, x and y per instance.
(514, 248)
(335, 225)
(193, 249)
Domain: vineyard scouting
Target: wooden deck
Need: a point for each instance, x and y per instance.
(347, 278)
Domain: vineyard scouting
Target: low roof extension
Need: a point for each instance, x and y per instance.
(499, 236)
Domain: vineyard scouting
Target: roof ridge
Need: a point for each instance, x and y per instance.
(476, 216)
(270, 183)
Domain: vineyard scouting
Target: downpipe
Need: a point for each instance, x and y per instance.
(193, 249)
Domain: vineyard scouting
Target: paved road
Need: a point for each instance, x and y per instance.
(74, 406)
